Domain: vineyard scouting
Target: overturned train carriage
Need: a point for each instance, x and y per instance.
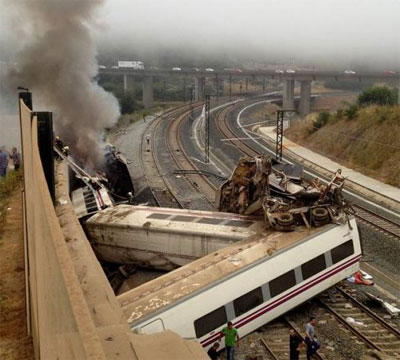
(162, 238)
(249, 282)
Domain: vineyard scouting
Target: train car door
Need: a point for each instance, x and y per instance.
(153, 327)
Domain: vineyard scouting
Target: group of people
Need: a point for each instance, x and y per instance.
(296, 343)
(5, 156)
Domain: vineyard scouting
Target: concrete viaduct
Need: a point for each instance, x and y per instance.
(304, 77)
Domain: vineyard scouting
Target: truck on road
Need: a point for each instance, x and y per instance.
(137, 65)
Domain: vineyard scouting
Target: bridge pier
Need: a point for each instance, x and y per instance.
(199, 88)
(128, 83)
(288, 95)
(148, 98)
(305, 97)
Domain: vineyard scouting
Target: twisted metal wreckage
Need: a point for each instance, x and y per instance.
(281, 193)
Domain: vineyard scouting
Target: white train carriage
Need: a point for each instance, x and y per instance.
(250, 283)
(165, 238)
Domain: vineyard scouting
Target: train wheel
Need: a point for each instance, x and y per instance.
(285, 219)
(320, 214)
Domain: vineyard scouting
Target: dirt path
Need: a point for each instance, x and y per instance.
(14, 343)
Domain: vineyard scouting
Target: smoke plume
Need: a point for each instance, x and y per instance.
(58, 64)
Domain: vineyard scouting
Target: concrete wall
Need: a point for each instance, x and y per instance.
(60, 319)
(73, 312)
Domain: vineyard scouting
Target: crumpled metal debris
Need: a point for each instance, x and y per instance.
(259, 186)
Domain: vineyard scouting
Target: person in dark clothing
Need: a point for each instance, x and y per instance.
(295, 343)
(213, 352)
(16, 158)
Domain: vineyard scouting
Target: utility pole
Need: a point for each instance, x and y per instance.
(191, 102)
(184, 89)
(207, 130)
(280, 116)
(230, 87)
(217, 86)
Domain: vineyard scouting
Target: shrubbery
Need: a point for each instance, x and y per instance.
(379, 95)
(351, 111)
(321, 120)
(127, 102)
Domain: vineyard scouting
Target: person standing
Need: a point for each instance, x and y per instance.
(213, 351)
(3, 163)
(16, 158)
(311, 341)
(231, 336)
(295, 343)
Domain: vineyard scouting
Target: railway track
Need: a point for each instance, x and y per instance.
(375, 333)
(164, 154)
(221, 121)
(377, 222)
(199, 183)
(365, 215)
(160, 188)
(276, 339)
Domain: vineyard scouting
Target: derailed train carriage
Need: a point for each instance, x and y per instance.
(249, 282)
(303, 241)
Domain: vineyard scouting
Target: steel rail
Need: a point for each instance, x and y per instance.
(366, 216)
(378, 321)
(377, 221)
(166, 200)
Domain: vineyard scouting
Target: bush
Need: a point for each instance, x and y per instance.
(379, 95)
(351, 111)
(127, 102)
(321, 120)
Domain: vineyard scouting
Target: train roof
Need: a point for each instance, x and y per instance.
(140, 302)
(224, 225)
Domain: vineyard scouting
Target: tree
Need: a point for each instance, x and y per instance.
(379, 95)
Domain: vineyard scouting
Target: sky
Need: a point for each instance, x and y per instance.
(333, 32)
(53, 47)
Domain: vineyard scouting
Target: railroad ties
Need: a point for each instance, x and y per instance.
(377, 222)
(370, 329)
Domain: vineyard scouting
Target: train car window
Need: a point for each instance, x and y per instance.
(210, 221)
(342, 251)
(282, 283)
(209, 322)
(314, 266)
(158, 216)
(238, 223)
(248, 301)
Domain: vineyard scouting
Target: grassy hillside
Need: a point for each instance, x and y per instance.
(367, 141)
